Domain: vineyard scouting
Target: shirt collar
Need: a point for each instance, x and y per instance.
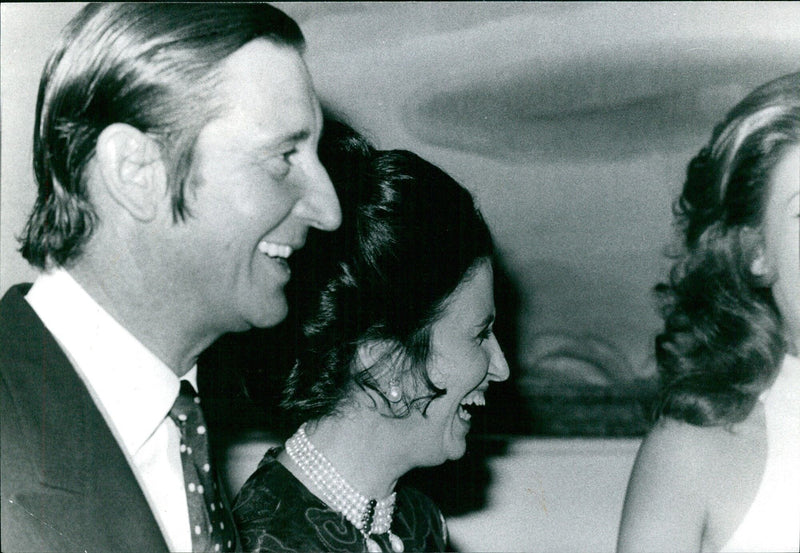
(133, 387)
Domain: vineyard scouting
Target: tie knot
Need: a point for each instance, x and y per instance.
(187, 405)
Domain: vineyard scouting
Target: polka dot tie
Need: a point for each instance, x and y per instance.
(211, 522)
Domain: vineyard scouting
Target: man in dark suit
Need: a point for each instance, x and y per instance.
(175, 156)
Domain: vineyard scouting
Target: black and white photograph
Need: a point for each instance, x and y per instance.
(474, 276)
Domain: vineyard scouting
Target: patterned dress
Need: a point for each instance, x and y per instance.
(275, 512)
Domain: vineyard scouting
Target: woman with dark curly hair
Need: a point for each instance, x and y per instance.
(396, 354)
(720, 470)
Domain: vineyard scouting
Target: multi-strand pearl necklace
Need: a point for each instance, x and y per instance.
(369, 516)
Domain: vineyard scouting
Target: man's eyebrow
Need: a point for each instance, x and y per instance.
(297, 136)
(276, 141)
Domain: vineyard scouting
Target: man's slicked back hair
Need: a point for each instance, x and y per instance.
(153, 66)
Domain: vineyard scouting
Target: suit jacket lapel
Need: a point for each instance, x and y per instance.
(86, 481)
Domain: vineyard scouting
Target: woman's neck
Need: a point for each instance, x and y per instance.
(361, 448)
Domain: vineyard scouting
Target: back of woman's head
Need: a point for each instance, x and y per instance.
(723, 341)
(410, 235)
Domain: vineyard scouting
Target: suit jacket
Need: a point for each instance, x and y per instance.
(65, 484)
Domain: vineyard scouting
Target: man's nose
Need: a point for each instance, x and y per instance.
(319, 205)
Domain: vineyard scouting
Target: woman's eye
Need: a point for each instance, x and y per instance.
(485, 334)
(287, 156)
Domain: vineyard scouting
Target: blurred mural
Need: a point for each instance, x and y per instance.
(572, 122)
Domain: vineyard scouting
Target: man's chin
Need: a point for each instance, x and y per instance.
(272, 314)
(258, 309)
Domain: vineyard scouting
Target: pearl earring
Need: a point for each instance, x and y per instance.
(394, 393)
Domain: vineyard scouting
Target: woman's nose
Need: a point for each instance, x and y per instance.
(498, 366)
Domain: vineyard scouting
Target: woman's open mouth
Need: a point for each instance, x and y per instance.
(473, 401)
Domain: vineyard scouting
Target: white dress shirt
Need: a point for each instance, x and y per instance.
(133, 389)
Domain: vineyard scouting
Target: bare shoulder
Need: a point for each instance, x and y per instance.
(682, 481)
(679, 438)
(674, 458)
(676, 446)
(685, 443)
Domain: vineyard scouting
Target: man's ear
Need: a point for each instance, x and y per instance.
(373, 351)
(133, 170)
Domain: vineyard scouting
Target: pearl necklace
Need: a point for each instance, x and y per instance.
(369, 516)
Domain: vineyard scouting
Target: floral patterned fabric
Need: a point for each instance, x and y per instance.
(275, 512)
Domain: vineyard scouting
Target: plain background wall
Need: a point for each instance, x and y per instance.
(26, 38)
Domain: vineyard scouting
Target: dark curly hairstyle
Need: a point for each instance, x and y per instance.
(723, 338)
(153, 66)
(410, 235)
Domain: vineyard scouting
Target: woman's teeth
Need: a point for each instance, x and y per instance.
(473, 400)
(272, 249)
